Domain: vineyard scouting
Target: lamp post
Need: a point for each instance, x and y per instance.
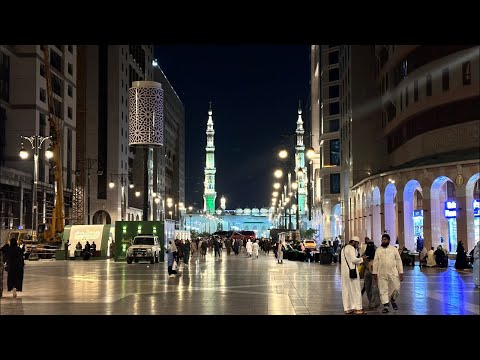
(90, 163)
(310, 155)
(36, 141)
(297, 207)
(190, 208)
(111, 185)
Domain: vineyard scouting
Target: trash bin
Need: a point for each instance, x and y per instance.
(325, 256)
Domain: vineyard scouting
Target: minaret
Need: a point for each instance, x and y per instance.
(209, 194)
(300, 163)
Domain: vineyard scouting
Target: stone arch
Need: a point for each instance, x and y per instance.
(364, 215)
(390, 212)
(368, 211)
(376, 220)
(101, 217)
(336, 222)
(358, 214)
(472, 189)
(409, 205)
(440, 225)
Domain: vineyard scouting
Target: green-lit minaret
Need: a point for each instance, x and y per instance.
(209, 193)
(300, 163)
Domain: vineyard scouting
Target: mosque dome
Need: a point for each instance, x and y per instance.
(263, 211)
(238, 211)
(255, 211)
(247, 211)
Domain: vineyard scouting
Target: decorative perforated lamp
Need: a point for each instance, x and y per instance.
(145, 124)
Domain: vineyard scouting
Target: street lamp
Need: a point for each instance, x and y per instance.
(111, 185)
(310, 155)
(90, 163)
(36, 141)
(297, 207)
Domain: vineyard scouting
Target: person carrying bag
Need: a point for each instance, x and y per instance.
(351, 291)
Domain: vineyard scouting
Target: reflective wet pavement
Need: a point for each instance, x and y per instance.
(234, 285)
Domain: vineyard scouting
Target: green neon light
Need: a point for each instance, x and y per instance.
(210, 204)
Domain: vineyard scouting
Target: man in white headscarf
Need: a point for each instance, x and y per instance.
(351, 290)
(388, 271)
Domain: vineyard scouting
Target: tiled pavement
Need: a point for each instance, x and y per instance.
(234, 285)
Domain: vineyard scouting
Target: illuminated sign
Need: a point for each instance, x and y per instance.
(417, 213)
(450, 209)
(476, 207)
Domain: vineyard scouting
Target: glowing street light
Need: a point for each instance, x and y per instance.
(36, 141)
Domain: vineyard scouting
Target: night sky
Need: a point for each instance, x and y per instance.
(254, 90)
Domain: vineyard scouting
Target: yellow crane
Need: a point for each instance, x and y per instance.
(54, 233)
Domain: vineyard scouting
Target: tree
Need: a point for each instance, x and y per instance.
(308, 234)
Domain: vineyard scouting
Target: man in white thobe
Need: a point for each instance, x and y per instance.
(249, 248)
(388, 271)
(280, 251)
(255, 248)
(351, 290)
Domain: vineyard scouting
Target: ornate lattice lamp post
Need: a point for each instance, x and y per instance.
(145, 125)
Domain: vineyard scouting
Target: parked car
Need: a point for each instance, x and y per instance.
(144, 247)
(310, 244)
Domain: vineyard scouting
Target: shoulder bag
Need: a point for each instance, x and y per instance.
(352, 272)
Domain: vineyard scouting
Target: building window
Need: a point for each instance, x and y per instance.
(334, 91)
(122, 131)
(43, 95)
(122, 148)
(334, 108)
(466, 73)
(55, 60)
(42, 70)
(404, 69)
(415, 90)
(406, 96)
(445, 79)
(43, 122)
(57, 85)
(333, 58)
(334, 125)
(334, 183)
(69, 112)
(333, 74)
(3, 136)
(70, 90)
(401, 100)
(335, 152)
(4, 77)
(70, 49)
(70, 69)
(429, 85)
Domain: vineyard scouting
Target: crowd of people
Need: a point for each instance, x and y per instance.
(380, 267)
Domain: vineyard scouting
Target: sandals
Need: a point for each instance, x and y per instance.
(394, 306)
(349, 312)
(360, 312)
(385, 310)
